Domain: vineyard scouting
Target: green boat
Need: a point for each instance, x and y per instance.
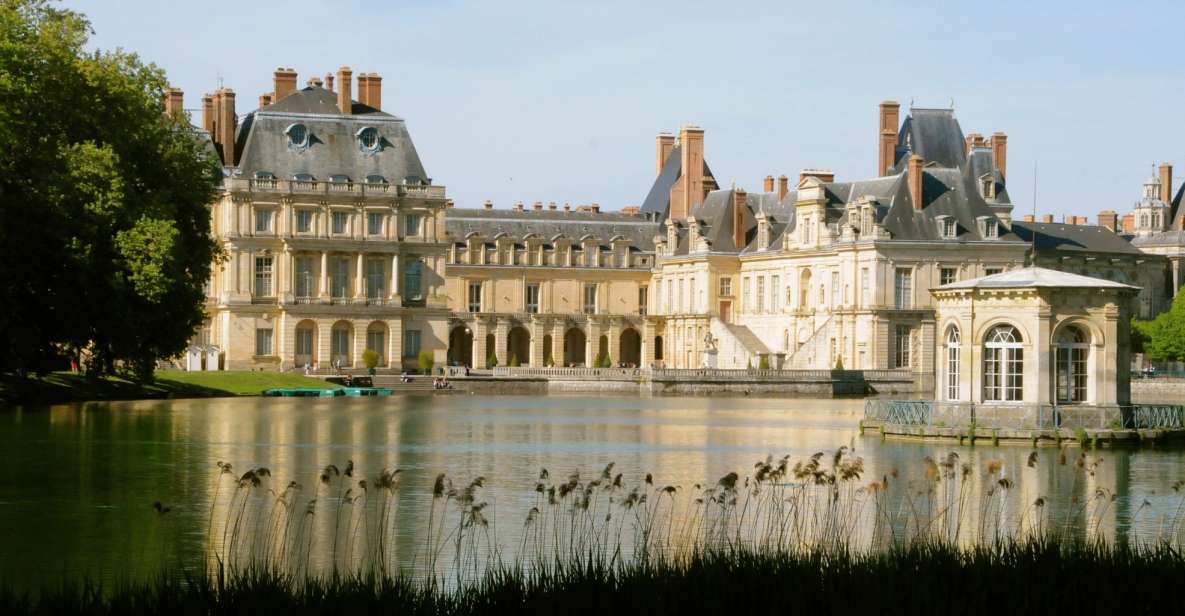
(302, 392)
(368, 391)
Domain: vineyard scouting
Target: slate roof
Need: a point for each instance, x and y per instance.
(1060, 237)
(460, 222)
(333, 143)
(1164, 238)
(933, 134)
(658, 199)
(1034, 277)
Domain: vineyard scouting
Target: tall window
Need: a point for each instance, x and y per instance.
(339, 345)
(411, 225)
(952, 363)
(532, 299)
(304, 221)
(991, 229)
(375, 279)
(339, 281)
(643, 298)
(263, 341)
(475, 297)
(745, 292)
(304, 277)
(413, 280)
(865, 287)
(263, 221)
(1003, 365)
(903, 289)
(411, 343)
(691, 299)
(590, 299)
(835, 290)
(949, 228)
(679, 296)
(902, 341)
(341, 221)
(775, 294)
(263, 277)
(375, 340)
(725, 286)
(759, 304)
(947, 275)
(1071, 351)
(374, 223)
(670, 296)
(804, 289)
(304, 344)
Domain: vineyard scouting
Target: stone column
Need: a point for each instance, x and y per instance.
(1176, 276)
(395, 276)
(591, 342)
(557, 343)
(501, 333)
(359, 344)
(234, 217)
(538, 331)
(324, 290)
(480, 352)
(395, 344)
(324, 333)
(359, 285)
(615, 342)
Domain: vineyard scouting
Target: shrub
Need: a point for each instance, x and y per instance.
(492, 360)
(427, 361)
(839, 363)
(549, 362)
(370, 357)
(763, 363)
(513, 361)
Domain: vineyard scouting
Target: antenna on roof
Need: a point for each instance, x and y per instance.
(952, 103)
(218, 76)
(1033, 229)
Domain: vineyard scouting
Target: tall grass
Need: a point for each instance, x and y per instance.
(814, 530)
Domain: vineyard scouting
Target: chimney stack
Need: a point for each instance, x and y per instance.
(226, 125)
(783, 187)
(518, 207)
(265, 99)
(567, 207)
(374, 96)
(345, 86)
(489, 205)
(663, 145)
(1000, 153)
(768, 186)
(175, 102)
(364, 88)
(283, 83)
(739, 206)
(1047, 218)
(887, 136)
(825, 175)
(1166, 182)
(689, 189)
(915, 181)
(208, 114)
(537, 206)
(1030, 218)
(1109, 219)
(1128, 223)
(551, 206)
(596, 208)
(329, 81)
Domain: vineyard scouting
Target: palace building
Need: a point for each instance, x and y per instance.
(337, 241)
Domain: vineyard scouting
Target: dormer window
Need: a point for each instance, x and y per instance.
(987, 187)
(339, 179)
(298, 135)
(376, 179)
(991, 229)
(368, 139)
(950, 228)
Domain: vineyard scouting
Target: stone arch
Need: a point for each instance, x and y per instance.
(574, 342)
(460, 346)
(1092, 331)
(305, 340)
(518, 346)
(377, 339)
(1073, 362)
(341, 344)
(804, 288)
(630, 347)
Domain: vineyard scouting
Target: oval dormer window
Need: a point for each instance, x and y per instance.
(368, 138)
(376, 179)
(298, 135)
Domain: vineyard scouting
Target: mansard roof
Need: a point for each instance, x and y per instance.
(1060, 237)
(333, 146)
(933, 134)
(638, 231)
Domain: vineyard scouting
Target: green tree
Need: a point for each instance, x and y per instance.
(763, 362)
(427, 361)
(370, 357)
(1163, 338)
(492, 360)
(839, 363)
(514, 360)
(103, 201)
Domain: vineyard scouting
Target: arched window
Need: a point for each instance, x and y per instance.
(952, 363)
(1071, 349)
(1003, 365)
(804, 289)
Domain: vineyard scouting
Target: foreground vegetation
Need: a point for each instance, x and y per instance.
(809, 536)
(57, 387)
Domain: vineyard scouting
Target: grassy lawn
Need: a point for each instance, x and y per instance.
(67, 387)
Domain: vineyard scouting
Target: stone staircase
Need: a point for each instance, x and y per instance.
(816, 351)
(737, 346)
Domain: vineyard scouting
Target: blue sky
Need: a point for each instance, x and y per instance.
(560, 101)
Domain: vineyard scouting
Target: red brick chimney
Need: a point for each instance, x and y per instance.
(1129, 223)
(689, 189)
(375, 86)
(345, 86)
(1030, 218)
(226, 126)
(825, 175)
(364, 88)
(768, 184)
(174, 102)
(489, 205)
(1047, 218)
(1109, 219)
(208, 114)
(662, 149)
(283, 83)
(783, 187)
(915, 181)
(537, 206)
(1000, 153)
(1166, 182)
(740, 201)
(329, 81)
(887, 136)
(265, 100)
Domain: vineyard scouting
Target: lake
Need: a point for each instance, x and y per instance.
(78, 482)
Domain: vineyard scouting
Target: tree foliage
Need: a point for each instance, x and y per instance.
(104, 226)
(427, 361)
(1163, 338)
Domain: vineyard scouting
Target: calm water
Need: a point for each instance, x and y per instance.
(77, 482)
